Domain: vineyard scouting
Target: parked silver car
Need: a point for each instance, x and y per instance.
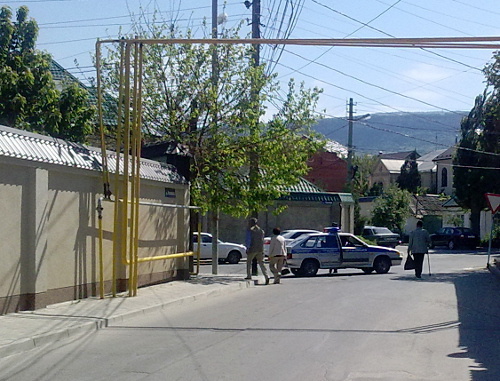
(289, 236)
(383, 236)
(337, 250)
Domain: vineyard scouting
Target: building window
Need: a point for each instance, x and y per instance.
(444, 177)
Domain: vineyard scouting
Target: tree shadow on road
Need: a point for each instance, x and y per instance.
(478, 304)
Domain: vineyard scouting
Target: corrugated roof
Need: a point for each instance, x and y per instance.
(307, 191)
(44, 149)
(315, 197)
(428, 205)
(109, 103)
(304, 186)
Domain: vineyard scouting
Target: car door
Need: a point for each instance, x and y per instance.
(329, 252)
(354, 251)
(206, 246)
(440, 238)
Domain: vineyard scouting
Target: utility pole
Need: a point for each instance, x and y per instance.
(349, 144)
(215, 74)
(256, 30)
(254, 160)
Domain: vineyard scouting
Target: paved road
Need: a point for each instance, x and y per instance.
(347, 326)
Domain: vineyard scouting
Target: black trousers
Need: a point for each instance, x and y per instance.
(419, 262)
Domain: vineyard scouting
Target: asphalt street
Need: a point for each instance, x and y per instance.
(345, 326)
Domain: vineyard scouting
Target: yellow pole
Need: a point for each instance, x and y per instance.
(118, 189)
(126, 158)
(138, 158)
(101, 264)
(134, 212)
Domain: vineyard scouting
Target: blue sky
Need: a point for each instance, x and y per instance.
(378, 79)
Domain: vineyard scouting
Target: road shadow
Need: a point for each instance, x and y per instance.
(478, 295)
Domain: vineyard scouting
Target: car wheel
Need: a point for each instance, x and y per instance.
(309, 267)
(233, 257)
(382, 265)
(368, 270)
(451, 245)
(295, 271)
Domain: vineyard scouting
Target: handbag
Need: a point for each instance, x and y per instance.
(409, 263)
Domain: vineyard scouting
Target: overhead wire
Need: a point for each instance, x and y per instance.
(387, 34)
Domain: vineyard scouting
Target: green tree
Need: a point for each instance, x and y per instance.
(477, 160)
(220, 119)
(409, 177)
(392, 208)
(29, 96)
(363, 167)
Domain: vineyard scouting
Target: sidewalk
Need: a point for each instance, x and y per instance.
(26, 330)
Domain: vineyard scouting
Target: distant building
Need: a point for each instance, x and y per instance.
(428, 169)
(328, 169)
(444, 170)
(388, 167)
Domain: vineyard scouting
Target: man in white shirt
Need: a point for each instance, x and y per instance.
(277, 254)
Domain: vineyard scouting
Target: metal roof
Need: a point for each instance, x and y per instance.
(304, 186)
(315, 197)
(307, 191)
(44, 149)
(392, 165)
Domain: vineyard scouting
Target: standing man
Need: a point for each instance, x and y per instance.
(277, 254)
(255, 248)
(419, 246)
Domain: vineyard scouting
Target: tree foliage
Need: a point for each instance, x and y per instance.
(392, 208)
(477, 160)
(363, 168)
(220, 118)
(409, 177)
(30, 99)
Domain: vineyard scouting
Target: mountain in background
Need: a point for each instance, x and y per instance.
(396, 132)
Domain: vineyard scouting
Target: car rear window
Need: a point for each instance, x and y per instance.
(382, 231)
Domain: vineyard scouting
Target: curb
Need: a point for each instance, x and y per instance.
(93, 324)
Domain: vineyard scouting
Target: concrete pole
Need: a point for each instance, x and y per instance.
(254, 161)
(215, 213)
(349, 145)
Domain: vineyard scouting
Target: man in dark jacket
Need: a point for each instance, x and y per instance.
(419, 246)
(255, 248)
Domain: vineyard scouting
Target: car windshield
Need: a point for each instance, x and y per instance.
(351, 241)
(382, 231)
(293, 234)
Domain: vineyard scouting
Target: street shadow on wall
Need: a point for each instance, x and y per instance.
(478, 296)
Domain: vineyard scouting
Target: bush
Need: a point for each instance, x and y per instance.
(495, 242)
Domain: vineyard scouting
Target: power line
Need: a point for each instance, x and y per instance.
(373, 85)
(387, 34)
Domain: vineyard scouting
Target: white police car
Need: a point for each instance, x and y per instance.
(338, 250)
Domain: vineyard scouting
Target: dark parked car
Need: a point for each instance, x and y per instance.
(454, 237)
(383, 236)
